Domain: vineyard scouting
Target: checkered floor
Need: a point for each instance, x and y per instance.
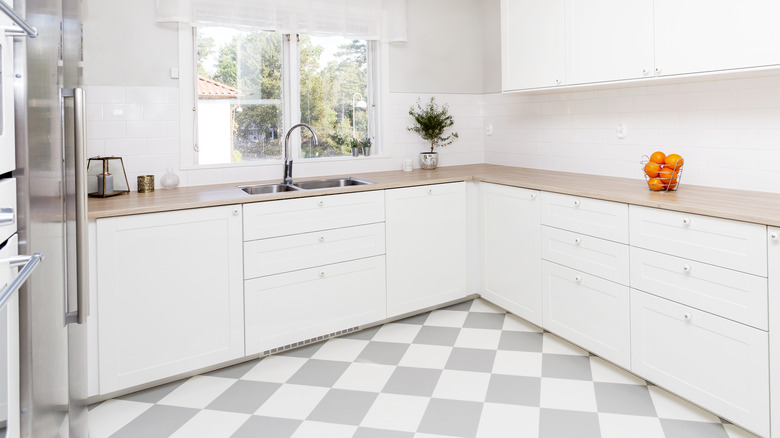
(468, 370)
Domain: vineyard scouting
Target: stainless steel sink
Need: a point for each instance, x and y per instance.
(330, 183)
(264, 189)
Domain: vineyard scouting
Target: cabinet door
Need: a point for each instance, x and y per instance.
(427, 260)
(608, 40)
(773, 236)
(706, 35)
(587, 310)
(719, 364)
(532, 44)
(170, 296)
(511, 253)
(297, 306)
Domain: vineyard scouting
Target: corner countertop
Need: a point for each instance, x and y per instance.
(742, 205)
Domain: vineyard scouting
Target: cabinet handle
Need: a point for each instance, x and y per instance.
(774, 235)
(577, 240)
(577, 278)
(645, 72)
(322, 239)
(687, 268)
(7, 215)
(322, 274)
(686, 221)
(235, 212)
(687, 316)
(557, 82)
(577, 203)
(321, 203)
(430, 191)
(533, 195)
(658, 70)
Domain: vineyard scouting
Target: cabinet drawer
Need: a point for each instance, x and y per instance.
(296, 306)
(599, 257)
(290, 253)
(731, 244)
(303, 215)
(731, 294)
(605, 219)
(8, 201)
(587, 310)
(719, 364)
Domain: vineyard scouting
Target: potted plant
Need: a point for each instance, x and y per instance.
(430, 122)
(355, 145)
(366, 146)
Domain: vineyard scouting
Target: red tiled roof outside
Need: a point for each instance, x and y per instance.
(211, 89)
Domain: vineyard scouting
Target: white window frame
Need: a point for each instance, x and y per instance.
(379, 92)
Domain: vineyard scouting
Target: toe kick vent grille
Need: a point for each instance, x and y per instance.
(309, 341)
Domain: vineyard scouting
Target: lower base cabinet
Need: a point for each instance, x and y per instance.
(588, 311)
(711, 361)
(296, 306)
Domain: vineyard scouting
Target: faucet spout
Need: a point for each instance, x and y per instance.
(288, 162)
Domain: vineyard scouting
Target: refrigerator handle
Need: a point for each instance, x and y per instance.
(82, 234)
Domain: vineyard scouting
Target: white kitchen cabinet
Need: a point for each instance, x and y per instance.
(589, 311)
(594, 217)
(532, 44)
(773, 239)
(426, 242)
(170, 296)
(608, 40)
(707, 35)
(302, 305)
(712, 361)
(511, 258)
(600, 257)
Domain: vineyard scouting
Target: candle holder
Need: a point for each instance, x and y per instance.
(106, 172)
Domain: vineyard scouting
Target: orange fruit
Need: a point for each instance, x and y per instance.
(672, 184)
(655, 184)
(658, 157)
(674, 161)
(651, 169)
(666, 174)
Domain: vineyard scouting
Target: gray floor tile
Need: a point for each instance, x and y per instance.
(157, 422)
(363, 335)
(464, 306)
(343, 406)
(566, 366)
(412, 381)
(437, 336)
(305, 351)
(451, 418)
(493, 321)
(692, 429)
(555, 423)
(385, 353)
(319, 372)
(257, 426)
(366, 432)
(244, 396)
(153, 395)
(236, 371)
(521, 341)
(620, 398)
(515, 390)
(471, 359)
(416, 319)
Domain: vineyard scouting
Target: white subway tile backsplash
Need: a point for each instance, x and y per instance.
(105, 94)
(126, 146)
(158, 111)
(147, 95)
(101, 129)
(122, 112)
(147, 129)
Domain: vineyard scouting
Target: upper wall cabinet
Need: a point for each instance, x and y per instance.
(532, 44)
(707, 35)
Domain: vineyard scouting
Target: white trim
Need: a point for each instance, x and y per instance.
(187, 72)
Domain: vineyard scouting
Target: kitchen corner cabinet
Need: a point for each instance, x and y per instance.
(511, 249)
(426, 233)
(170, 294)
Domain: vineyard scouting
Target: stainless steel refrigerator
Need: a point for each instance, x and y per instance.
(51, 205)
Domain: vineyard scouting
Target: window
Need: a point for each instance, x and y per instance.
(251, 85)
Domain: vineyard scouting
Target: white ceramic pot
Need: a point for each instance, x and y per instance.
(429, 160)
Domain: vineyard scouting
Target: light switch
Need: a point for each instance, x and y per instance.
(174, 73)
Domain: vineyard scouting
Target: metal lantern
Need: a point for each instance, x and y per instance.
(105, 182)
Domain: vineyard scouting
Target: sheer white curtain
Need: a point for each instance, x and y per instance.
(383, 20)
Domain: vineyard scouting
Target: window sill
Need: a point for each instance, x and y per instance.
(276, 163)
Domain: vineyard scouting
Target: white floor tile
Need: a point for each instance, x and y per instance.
(396, 412)
(574, 395)
(211, 424)
(462, 385)
(112, 415)
(404, 333)
(345, 350)
(365, 377)
(197, 392)
(622, 426)
(446, 318)
(515, 324)
(426, 356)
(292, 401)
(671, 406)
(276, 369)
(316, 429)
(554, 344)
(518, 363)
(604, 371)
(478, 338)
(500, 420)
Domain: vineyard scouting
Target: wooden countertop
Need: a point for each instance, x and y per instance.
(748, 206)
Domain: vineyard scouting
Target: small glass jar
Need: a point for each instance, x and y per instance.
(169, 180)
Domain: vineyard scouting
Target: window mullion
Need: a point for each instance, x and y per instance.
(291, 92)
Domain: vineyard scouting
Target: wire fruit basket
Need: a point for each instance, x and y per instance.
(661, 177)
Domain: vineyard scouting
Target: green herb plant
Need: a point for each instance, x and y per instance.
(430, 122)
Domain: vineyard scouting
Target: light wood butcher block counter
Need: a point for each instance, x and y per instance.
(742, 205)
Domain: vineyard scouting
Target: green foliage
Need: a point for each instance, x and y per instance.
(431, 121)
(205, 49)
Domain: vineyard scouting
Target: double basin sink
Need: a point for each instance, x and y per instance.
(318, 184)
